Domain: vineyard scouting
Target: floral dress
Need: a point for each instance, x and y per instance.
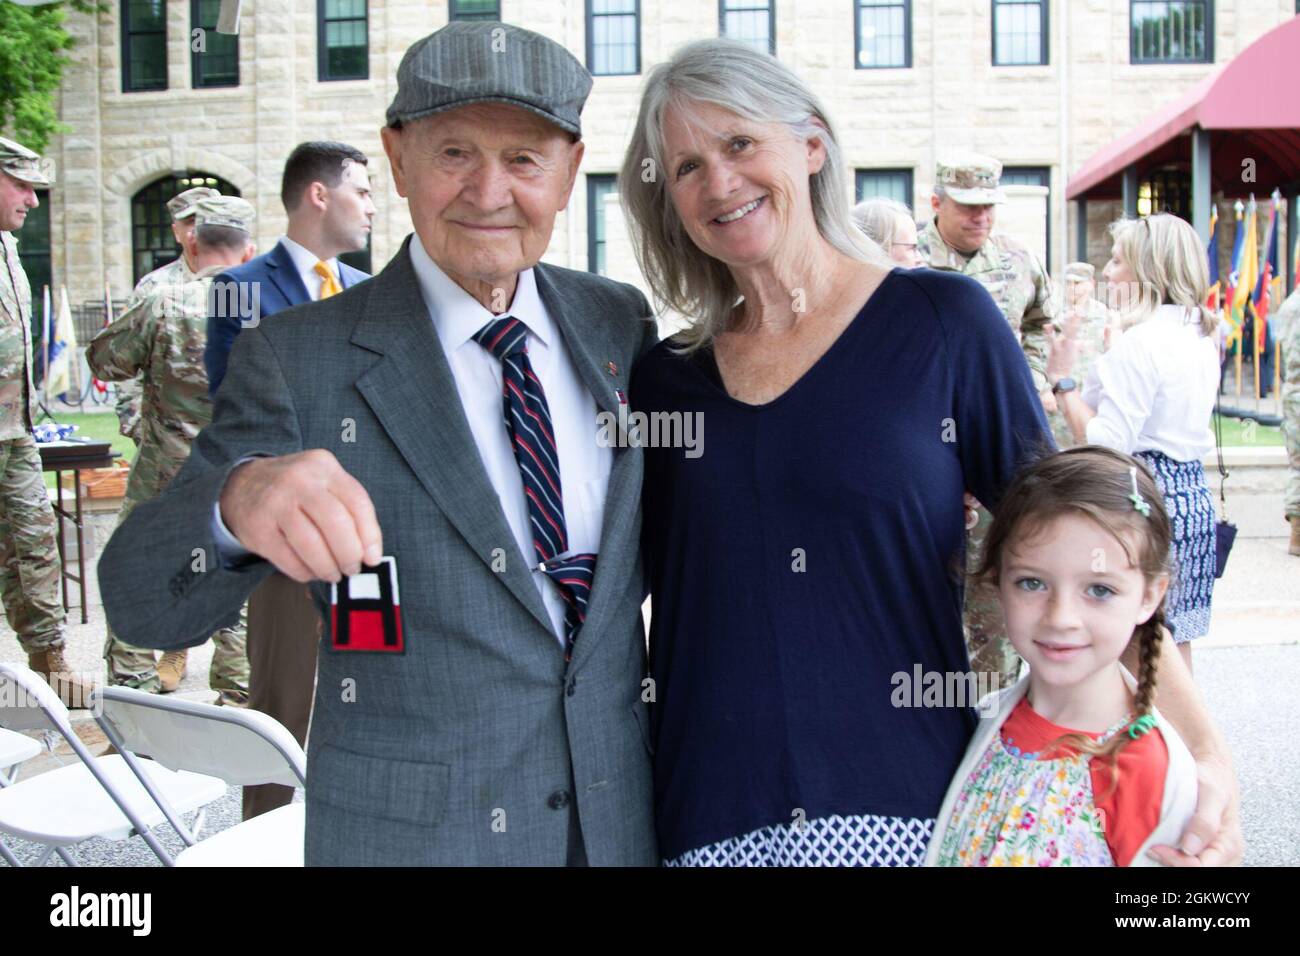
(1037, 808)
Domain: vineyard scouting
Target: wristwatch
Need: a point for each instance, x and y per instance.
(1064, 385)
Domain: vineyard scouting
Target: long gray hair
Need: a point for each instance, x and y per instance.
(758, 87)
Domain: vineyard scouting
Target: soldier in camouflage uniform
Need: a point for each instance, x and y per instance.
(1085, 320)
(959, 239)
(1288, 326)
(181, 207)
(29, 556)
(163, 341)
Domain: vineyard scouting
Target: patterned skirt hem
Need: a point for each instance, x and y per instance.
(857, 840)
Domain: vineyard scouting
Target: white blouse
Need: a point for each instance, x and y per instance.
(1154, 390)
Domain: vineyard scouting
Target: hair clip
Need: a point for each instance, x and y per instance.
(1142, 725)
(1139, 503)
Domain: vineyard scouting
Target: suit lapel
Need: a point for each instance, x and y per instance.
(285, 275)
(411, 385)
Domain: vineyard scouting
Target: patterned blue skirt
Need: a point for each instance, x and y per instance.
(1191, 514)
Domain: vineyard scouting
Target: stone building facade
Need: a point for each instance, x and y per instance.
(950, 96)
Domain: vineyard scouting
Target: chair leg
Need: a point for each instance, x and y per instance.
(67, 858)
(44, 857)
(8, 857)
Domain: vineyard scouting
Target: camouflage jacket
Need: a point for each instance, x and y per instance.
(1016, 280)
(161, 341)
(17, 393)
(128, 392)
(1288, 337)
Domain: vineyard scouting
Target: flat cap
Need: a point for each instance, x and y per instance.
(483, 61)
(183, 205)
(225, 211)
(21, 163)
(970, 178)
(1080, 272)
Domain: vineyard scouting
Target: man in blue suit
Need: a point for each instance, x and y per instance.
(326, 192)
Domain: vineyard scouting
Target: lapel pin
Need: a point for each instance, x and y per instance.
(622, 398)
(611, 368)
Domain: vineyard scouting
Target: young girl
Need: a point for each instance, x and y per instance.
(1075, 767)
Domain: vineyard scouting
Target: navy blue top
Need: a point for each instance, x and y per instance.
(773, 684)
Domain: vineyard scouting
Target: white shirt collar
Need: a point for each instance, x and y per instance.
(458, 316)
(305, 260)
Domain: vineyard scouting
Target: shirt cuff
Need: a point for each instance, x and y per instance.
(229, 550)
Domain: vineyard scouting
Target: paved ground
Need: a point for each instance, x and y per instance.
(1248, 669)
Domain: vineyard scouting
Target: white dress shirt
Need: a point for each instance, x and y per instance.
(305, 260)
(584, 463)
(1154, 390)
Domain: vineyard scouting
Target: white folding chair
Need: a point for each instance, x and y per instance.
(242, 747)
(14, 749)
(95, 797)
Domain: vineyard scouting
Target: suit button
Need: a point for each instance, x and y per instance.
(572, 688)
(558, 800)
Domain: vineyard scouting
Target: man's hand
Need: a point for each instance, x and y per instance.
(1048, 399)
(304, 514)
(1213, 836)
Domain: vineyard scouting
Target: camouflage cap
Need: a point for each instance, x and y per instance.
(183, 205)
(225, 211)
(21, 163)
(1080, 272)
(970, 179)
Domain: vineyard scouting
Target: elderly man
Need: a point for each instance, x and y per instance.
(160, 342)
(959, 238)
(424, 447)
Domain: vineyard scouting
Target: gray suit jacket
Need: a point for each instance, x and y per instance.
(470, 747)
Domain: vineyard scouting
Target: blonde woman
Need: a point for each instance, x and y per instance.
(889, 224)
(1151, 395)
(804, 559)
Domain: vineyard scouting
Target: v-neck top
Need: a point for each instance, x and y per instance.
(804, 557)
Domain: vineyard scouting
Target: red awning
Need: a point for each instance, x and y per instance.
(1252, 108)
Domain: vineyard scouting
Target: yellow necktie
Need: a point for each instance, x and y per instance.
(329, 285)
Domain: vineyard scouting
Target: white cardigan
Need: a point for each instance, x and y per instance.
(1176, 808)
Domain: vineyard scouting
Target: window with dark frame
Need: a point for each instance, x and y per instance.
(752, 21)
(34, 254)
(1171, 31)
(882, 34)
(1020, 36)
(614, 37)
(893, 184)
(152, 242)
(218, 63)
(599, 185)
(342, 40)
(144, 45)
(475, 10)
(1034, 176)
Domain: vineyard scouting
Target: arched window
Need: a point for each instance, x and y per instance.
(152, 242)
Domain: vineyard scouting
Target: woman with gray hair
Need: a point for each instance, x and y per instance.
(806, 563)
(889, 224)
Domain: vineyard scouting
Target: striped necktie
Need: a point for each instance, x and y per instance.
(528, 423)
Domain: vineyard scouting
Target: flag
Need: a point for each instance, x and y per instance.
(1247, 269)
(62, 347)
(1212, 260)
(1234, 277)
(1264, 289)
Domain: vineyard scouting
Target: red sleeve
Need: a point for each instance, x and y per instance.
(1131, 810)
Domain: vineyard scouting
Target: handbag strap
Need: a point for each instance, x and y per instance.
(1218, 451)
